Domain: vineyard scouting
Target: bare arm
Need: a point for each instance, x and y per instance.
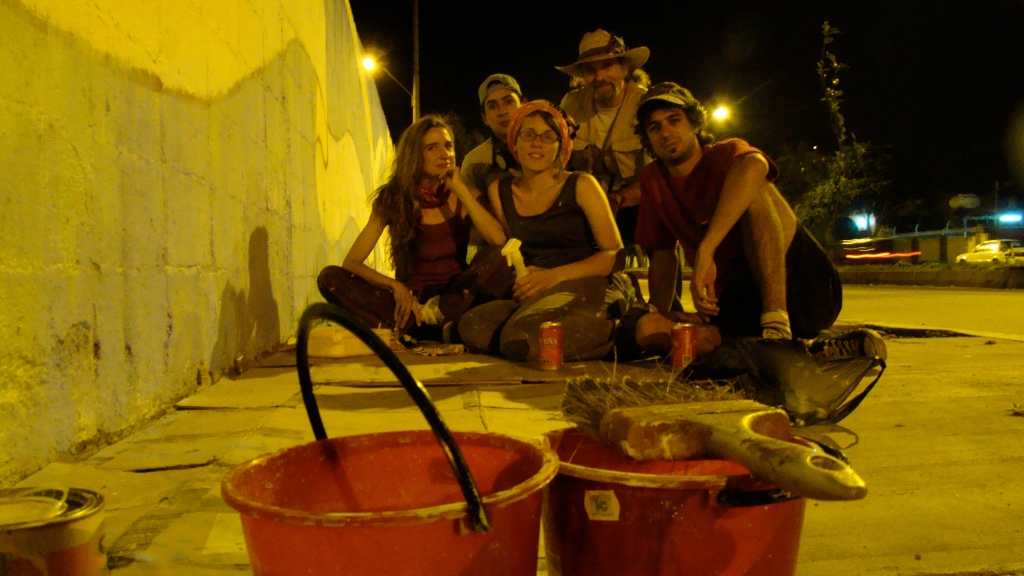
(744, 181)
(592, 199)
(499, 213)
(485, 223)
(360, 250)
(405, 302)
(626, 196)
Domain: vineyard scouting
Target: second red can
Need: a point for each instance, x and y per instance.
(551, 337)
(684, 345)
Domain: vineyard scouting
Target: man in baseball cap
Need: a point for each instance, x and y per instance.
(500, 97)
(605, 107)
(756, 271)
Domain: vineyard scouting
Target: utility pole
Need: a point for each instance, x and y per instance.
(415, 60)
(995, 209)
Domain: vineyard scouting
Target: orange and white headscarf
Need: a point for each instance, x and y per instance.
(561, 119)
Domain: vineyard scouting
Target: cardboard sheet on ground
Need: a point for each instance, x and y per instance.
(199, 538)
(169, 455)
(351, 423)
(466, 369)
(127, 496)
(254, 389)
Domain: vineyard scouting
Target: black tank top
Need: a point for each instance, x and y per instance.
(560, 235)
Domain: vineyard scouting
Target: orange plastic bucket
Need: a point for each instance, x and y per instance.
(607, 514)
(411, 503)
(390, 504)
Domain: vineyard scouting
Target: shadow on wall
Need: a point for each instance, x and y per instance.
(249, 323)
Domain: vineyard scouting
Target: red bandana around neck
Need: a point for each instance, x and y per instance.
(431, 196)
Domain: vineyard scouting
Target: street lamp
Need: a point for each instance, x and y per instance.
(370, 64)
(720, 113)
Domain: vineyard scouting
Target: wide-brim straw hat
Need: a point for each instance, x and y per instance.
(601, 45)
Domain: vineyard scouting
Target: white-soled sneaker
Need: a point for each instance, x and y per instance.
(775, 325)
(774, 333)
(860, 342)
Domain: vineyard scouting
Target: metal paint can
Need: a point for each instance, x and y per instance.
(50, 530)
(684, 345)
(551, 338)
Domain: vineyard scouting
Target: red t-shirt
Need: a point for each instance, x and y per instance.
(680, 209)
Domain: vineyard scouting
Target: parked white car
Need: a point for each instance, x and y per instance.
(995, 251)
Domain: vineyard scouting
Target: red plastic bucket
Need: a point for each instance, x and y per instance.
(607, 514)
(390, 504)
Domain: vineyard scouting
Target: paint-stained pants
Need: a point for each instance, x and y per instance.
(488, 277)
(510, 328)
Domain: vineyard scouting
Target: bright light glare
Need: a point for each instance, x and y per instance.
(369, 64)
(1010, 218)
(721, 113)
(863, 222)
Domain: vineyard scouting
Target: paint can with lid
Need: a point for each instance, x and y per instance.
(46, 531)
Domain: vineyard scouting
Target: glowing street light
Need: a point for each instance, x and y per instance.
(720, 113)
(370, 64)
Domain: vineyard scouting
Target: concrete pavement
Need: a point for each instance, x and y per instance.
(935, 441)
(976, 311)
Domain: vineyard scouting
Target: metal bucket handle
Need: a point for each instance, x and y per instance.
(337, 314)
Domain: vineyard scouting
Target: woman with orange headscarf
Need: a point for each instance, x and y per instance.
(570, 245)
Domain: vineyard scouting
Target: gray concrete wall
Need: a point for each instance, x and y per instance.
(174, 175)
(956, 245)
(929, 248)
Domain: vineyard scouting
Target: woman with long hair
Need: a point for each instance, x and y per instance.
(427, 210)
(570, 245)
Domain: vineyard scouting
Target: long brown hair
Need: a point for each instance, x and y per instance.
(396, 201)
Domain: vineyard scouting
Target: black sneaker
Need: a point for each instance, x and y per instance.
(860, 342)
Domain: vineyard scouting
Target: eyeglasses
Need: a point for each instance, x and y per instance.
(529, 136)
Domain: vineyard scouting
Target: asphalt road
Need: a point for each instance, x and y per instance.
(981, 312)
(996, 313)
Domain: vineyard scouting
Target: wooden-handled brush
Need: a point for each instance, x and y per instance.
(708, 422)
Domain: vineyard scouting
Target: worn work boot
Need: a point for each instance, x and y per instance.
(860, 342)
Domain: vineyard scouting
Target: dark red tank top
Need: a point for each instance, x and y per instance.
(439, 252)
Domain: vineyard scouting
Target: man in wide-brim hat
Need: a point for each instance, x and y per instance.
(605, 107)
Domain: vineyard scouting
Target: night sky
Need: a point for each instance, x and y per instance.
(939, 82)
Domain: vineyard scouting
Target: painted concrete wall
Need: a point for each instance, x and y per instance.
(173, 175)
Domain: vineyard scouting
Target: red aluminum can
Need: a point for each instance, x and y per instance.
(551, 337)
(684, 345)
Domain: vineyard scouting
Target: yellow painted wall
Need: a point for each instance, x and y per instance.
(173, 175)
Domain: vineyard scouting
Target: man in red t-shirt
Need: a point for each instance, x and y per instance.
(756, 271)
